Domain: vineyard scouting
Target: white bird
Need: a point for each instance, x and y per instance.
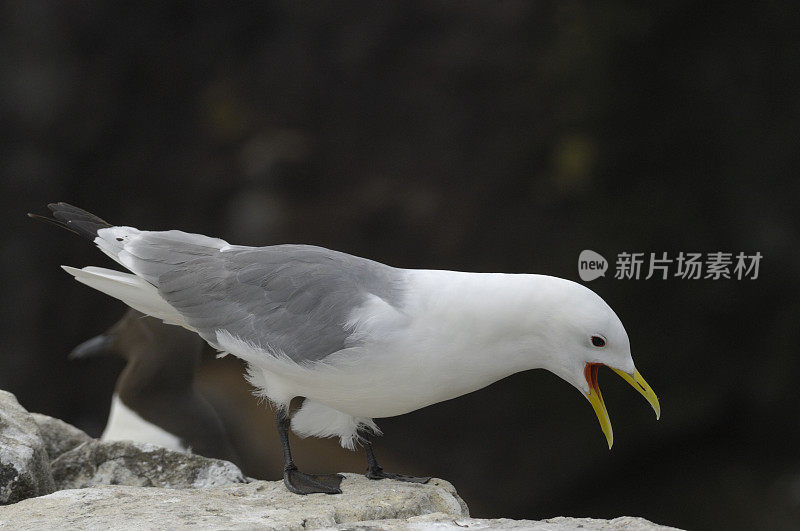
(358, 339)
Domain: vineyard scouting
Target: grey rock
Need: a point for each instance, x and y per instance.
(260, 504)
(58, 436)
(139, 465)
(440, 521)
(103, 489)
(24, 464)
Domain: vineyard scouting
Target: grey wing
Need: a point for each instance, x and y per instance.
(294, 299)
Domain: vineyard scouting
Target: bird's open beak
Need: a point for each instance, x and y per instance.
(596, 398)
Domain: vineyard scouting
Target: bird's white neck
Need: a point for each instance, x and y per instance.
(488, 324)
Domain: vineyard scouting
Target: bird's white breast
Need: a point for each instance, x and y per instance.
(124, 424)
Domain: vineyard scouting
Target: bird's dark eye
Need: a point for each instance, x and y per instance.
(598, 341)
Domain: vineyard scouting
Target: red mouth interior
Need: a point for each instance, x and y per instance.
(590, 372)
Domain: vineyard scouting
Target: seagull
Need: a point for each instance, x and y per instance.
(155, 399)
(358, 339)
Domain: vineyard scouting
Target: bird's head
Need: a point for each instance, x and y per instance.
(585, 335)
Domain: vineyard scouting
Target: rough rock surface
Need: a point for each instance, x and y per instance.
(58, 436)
(101, 487)
(139, 465)
(260, 504)
(24, 464)
(437, 521)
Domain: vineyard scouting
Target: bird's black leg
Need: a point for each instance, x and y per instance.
(374, 470)
(299, 482)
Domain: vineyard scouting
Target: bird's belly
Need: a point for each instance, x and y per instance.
(380, 380)
(376, 390)
(384, 401)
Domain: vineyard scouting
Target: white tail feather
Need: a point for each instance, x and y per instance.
(130, 289)
(112, 240)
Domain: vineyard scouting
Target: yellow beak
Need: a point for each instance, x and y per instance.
(596, 398)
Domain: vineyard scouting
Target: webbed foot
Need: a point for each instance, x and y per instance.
(378, 473)
(302, 483)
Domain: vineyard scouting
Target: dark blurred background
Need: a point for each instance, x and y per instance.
(476, 136)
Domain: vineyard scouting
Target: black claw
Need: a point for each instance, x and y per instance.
(302, 483)
(380, 474)
(410, 479)
(375, 471)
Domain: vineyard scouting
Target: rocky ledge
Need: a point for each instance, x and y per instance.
(54, 476)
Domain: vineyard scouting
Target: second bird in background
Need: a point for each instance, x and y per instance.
(155, 399)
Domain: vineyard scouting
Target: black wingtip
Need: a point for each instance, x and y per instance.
(73, 219)
(55, 222)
